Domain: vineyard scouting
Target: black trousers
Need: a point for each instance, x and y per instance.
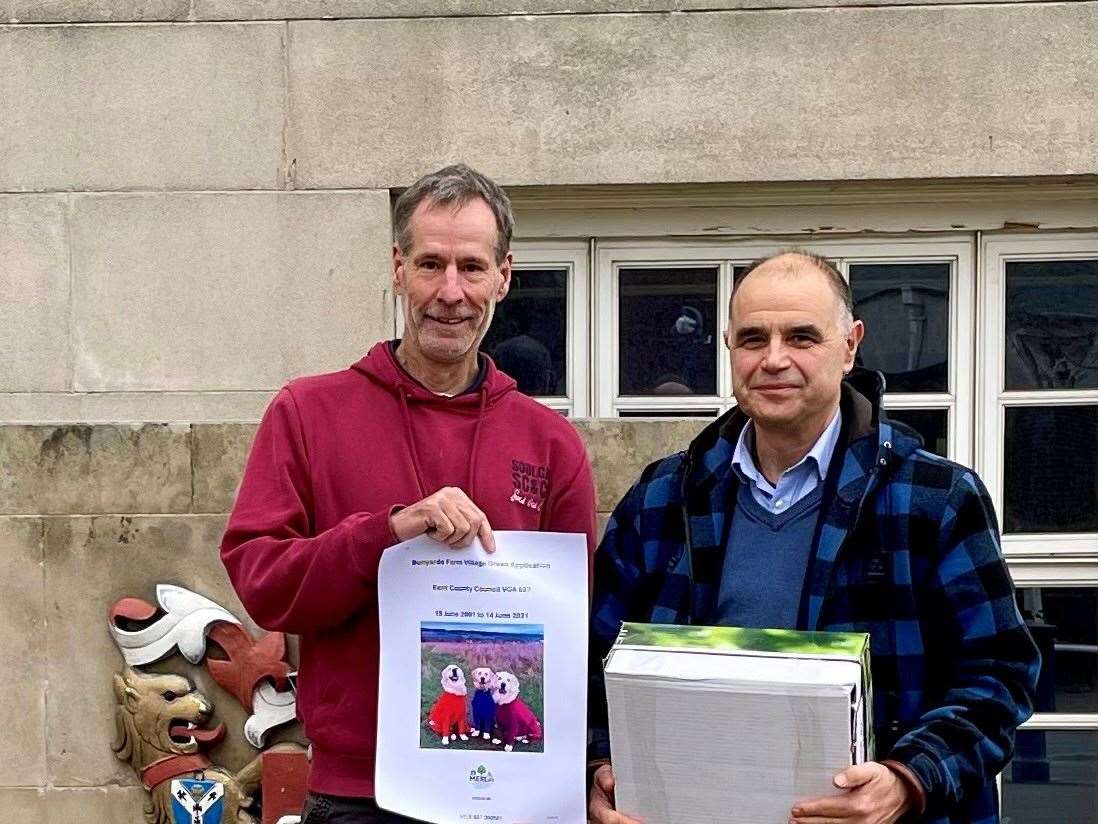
(330, 809)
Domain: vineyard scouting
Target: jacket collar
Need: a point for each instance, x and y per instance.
(865, 448)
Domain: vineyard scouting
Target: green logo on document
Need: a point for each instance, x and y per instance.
(481, 775)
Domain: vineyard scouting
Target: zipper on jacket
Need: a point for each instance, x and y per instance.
(687, 543)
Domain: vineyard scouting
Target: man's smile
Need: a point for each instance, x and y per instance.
(446, 321)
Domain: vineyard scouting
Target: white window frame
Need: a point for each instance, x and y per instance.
(725, 253)
(1063, 573)
(614, 255)
(993, 399)
(573, 257)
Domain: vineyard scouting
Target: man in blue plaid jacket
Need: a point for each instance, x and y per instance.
(805, 507)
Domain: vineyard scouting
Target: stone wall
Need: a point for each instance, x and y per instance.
(90, 514)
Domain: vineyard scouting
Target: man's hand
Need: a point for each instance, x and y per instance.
(447, 516)
(873, 795)
(601, 807)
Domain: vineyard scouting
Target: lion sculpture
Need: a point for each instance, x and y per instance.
(162, 730)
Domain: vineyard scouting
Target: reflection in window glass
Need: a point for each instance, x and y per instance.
(1053, 778)
(1050, 473)
(932, 424)
(905, 307)
(1052, 324)
(1064, 623)
(667, 328)
(527, 338)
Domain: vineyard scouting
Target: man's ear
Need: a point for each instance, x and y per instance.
(505, 282)
(853, 340)
(398, 270)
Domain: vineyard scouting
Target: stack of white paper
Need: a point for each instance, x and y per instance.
(718, 724)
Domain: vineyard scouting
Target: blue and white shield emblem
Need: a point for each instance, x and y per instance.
(197, 802)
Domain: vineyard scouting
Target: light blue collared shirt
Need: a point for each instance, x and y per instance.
(797, 481)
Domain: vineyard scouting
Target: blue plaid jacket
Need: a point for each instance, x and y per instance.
(907, 549)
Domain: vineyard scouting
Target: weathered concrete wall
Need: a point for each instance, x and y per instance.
(149, 235)
(141, 107)
(100, 11)
(92, 514)
(791, 95)
(157, 302)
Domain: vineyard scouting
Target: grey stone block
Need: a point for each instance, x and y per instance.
(95, 11)
(192, 292)
(219, 454)
(290, 9)
(115, 407)
(141, 106)
(22, 645)
(861, 93)
(620, 449)
(26, 805)
(90, 563)
(88, 469)
(116, 805)
(35, 350)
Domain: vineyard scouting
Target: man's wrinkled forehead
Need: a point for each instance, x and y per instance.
(788, 291)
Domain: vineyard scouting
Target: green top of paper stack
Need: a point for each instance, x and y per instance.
(788, 641)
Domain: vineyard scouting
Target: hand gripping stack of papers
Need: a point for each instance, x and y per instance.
(715, 724)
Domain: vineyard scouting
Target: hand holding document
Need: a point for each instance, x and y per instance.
(482, 711)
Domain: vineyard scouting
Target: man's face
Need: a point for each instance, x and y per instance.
(789, 346)
(449, 279)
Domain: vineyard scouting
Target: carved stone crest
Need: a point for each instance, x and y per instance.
(164, 724)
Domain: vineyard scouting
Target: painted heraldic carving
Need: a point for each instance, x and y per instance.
(187, 618)
(197, 802)
(271, 709)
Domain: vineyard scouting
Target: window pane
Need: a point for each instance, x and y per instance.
(1053, 778)
(527, 338)
(1052, 324)
(1050, 473)
(1064, 622)
(667, 327)
(932, 424)
(905, 307)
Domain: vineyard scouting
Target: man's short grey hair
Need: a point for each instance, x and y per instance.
(454, 185)
(828, 269)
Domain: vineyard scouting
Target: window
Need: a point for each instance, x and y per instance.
(528, 335)
(1039, 421)
(662, 309)
(668, 328)
(1056, 753)
(539, 334)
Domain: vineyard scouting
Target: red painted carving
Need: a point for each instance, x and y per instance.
(248, 661)
(284, 776)
(135, 609)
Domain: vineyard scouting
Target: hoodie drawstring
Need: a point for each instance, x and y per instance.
(410, 437)
(476, 443)
(414, 454)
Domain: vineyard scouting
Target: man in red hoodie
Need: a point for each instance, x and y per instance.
(421, 436)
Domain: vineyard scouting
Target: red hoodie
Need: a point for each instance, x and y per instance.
(333, 456)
